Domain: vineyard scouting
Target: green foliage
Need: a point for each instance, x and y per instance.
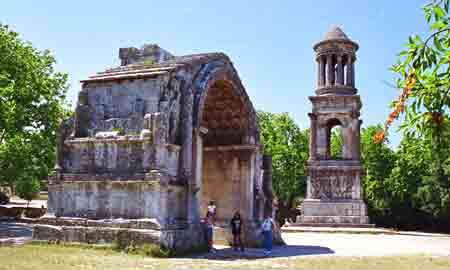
(32, 104)
(378, 161)
(28, 189)
(424, 73)
(424, 76)
(336, 142)
(288, 145)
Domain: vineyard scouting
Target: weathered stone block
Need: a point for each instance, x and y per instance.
(47, 232)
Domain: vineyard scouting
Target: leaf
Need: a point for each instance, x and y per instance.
(438, 25)
(438, 11)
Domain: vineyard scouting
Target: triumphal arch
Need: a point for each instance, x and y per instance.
(151, 143)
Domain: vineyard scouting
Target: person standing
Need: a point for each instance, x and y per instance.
(267, 229)
(236, 230)
(209, 221)
(212, 208)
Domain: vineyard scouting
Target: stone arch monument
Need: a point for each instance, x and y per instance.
(151, 143)
(334, 195)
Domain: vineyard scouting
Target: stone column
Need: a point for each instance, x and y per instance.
(350, 73)
(198, 174)
(340, 71)
(313, 137)
(352, 68)
(186, 153)
(250, 185)
(236, 182)
(357, 140)
(267, 184)
(243, 190)
(321, 71)
(330, 70)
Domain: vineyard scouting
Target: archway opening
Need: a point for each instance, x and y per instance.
(226, 158)
(335, 141)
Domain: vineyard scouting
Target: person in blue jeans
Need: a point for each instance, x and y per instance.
(267, 227)
(209, 220)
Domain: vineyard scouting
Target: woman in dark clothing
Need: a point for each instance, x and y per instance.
(236, 230)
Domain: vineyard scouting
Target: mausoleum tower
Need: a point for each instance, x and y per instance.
(334, 194)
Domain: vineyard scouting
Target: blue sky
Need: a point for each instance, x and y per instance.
(270, 42)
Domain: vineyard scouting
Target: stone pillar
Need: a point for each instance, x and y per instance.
(244, 191)
(313, 137)
(352, 68)
(340, 71)
(321, 71)
(186, 154)
(250, 185)
(267, 184)
(330, 70)
(350, 73)
(321, 141)
(356, 133)
(198, 174)
(236, 181)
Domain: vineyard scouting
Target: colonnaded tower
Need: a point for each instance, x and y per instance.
(334, 194)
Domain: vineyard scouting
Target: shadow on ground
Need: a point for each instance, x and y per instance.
(256, 253)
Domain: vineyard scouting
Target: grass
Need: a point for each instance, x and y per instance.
(54, 257)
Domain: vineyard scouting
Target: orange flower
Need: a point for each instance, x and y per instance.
(393, 115)
(400, 106)
(379, 137)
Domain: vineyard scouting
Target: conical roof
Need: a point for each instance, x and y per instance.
(335, 33)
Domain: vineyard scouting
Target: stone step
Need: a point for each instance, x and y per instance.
(95, 235)
(148, 224)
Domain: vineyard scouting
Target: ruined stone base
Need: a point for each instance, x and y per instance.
(184, 238)
(82, 230)
(180, 237)
(332, 213)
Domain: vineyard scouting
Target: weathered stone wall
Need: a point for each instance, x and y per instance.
(218, 185)
(120, 155)
(123, 106)
(228, 180)
(106, 199)
(185, 238)
(95, 235)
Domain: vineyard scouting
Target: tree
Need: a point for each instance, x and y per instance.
(378, 161)
(28, 189)
(288, 145)
(32, 104)
(336, 143)
(424, 78)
